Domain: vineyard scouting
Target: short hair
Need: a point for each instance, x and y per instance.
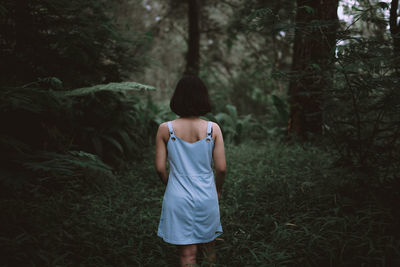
(190, 97)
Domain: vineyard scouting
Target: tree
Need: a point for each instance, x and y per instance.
(193, 53)
(77, 41)
(313, 56)
(254, 55)
(395, 30)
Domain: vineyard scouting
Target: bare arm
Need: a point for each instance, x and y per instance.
(219, 158)
(161, 152)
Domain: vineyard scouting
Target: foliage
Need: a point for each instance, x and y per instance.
(77, 41)
(59, 134)
(114, 87)
(281, 109)
(239, 128)
(250, 91)
(66, 165)
(362, 109)
(77, 182)
(110, 120)
(286, 206)
(263, 17)
(281, 206)
(234, 127)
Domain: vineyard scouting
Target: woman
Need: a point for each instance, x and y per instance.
(190, 212)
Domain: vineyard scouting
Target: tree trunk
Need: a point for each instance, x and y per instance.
(193, 53)
(395, 32)
(23, 49)
(313, 57)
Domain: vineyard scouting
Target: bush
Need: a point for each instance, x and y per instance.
(362, 110)
(54, 134)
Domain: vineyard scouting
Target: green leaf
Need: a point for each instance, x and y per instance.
(52, 82)
(383, 5)
(114, 142)
(225, 119)
(98, 146)
(281, 108)
(308, 9)
(232, 112)
(123, 87)
(126, 139)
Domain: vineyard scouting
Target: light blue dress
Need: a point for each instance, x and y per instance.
(190, 210)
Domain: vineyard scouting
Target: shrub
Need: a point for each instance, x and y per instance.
(51, 134)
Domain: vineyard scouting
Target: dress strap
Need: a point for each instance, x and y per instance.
(209, 129)
(171, 130)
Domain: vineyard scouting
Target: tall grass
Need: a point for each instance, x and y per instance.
(282, 205)
(286, 206)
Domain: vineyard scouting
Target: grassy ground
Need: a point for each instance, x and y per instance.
(281, 206)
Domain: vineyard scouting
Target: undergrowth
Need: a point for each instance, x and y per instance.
(282, 205)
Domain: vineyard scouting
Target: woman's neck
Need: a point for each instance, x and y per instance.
(189, 118)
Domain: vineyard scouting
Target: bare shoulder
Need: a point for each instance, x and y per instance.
(215, 126)
(216, 129)
(163, 130)
(163, 126)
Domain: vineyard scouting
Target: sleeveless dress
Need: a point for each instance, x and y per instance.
(190, 209)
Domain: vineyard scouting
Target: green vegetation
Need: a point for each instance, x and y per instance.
(80, 42)
(308, 104)
(86, 131)
(282, 205)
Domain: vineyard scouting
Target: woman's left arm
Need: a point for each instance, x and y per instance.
(161, 152)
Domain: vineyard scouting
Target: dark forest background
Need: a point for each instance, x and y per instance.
(306, 93)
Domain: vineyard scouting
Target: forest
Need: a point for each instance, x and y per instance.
(306, 93)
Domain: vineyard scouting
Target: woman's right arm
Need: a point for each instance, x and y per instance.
(219, 158)
(161, 152)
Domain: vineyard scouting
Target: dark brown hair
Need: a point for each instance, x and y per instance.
(190, 97)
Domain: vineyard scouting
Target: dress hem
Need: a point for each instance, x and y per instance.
(193, 241)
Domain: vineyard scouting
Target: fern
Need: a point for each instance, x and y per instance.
(123, 87)
(235, 127)
(362, 110)
(34, 100)
(281, 108)
(71, 164)
(81, 133)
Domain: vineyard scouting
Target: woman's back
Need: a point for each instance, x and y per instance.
(190, 130)
(190, 158)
